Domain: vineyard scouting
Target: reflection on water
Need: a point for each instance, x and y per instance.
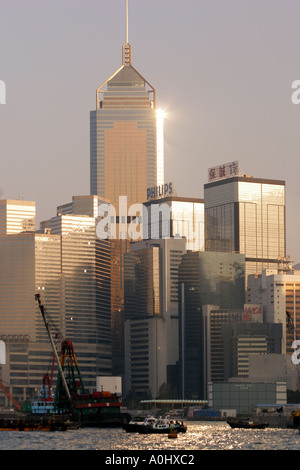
(199, 436)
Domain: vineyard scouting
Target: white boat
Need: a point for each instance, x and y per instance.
(163, 426)
(137, 422)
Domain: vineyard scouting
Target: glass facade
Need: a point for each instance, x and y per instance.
(142, 284)
(175, 217)
(205, 278)
(123, 138)
(71, 268)
(247, 215)
(244, 397)
(85, 287)
(214, 319)
(126, 157)
(151, 299)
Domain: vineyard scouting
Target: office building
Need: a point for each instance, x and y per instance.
(279, 294)
(126, 151)
(214, 355)
(17, 216)
(30, 263)
(243, 398)
(173, 216)
(244, 339)
(70, 267)
(205, 278)
(126, 158)
(246, 215)
(151, 314)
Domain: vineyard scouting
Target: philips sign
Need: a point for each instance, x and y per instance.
(159, 191)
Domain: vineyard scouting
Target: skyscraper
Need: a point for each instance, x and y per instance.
(126, 158)
(205, 278)
(246, 215)
(126, 148)
(151, 313)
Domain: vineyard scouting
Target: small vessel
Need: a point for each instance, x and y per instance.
(172, 434)
(246, 424)
(136, 422)
(163, 426)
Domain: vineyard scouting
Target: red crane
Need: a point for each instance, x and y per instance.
(9, 396)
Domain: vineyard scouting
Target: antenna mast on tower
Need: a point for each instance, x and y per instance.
(127, 46)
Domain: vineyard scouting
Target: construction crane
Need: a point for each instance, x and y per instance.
(9, 396)
(44, 315)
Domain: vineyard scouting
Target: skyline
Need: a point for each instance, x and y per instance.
(223, 74)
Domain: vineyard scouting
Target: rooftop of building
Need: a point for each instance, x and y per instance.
(245, 178)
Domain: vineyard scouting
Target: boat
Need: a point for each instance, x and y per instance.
(136, 422)
(163, 426)
(44, 404)
(96, 409)
(172, 434)
(246, 424)
(31, 422)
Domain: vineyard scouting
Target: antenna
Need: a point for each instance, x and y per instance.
(126, 21)
(126, 46)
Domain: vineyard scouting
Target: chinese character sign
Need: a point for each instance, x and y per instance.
(224, 171)
(253, 313)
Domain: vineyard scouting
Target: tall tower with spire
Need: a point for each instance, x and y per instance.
(123, 135)
(126, 158)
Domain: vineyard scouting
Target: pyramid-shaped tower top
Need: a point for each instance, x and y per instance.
(126, 75)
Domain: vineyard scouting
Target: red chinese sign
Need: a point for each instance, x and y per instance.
(224, 171)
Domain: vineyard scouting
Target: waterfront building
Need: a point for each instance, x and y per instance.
(69, 266)
(244, 398)
(205, 278)
(151, 314)
(246, 215)
(279, 294)
(244, 339)
(30, 263)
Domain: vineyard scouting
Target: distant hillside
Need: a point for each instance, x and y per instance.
(297, 266)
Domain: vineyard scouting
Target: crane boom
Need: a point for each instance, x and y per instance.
(9, 396)
(43, 312)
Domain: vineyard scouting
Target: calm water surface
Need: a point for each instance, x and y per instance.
(199, 436)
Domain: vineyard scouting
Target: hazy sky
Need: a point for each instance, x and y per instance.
(222, 69)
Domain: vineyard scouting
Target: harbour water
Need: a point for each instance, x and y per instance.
(199, 436)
